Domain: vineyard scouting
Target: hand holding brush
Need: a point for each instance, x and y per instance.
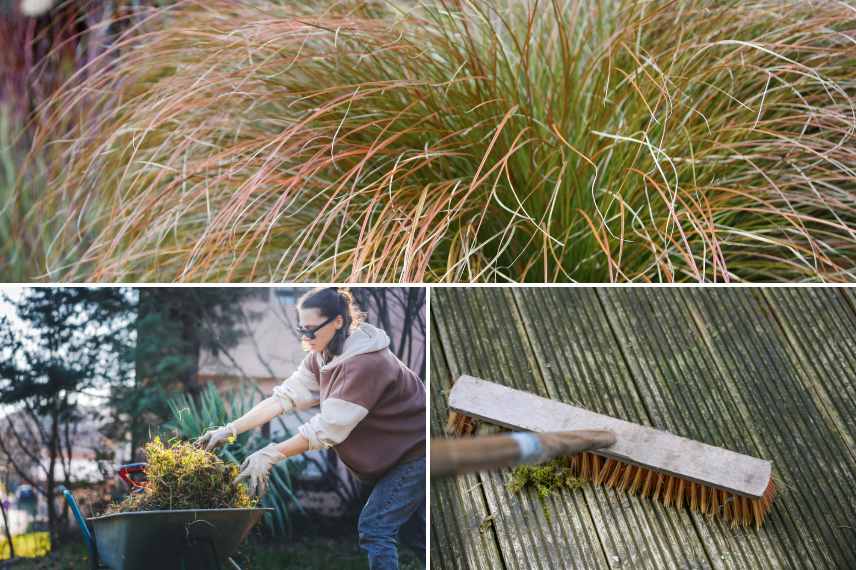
(469, 454)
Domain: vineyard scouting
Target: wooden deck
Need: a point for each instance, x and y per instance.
(767, 372)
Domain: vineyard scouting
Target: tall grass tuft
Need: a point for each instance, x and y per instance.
(16, 201)
(44, 45)
(505, 140)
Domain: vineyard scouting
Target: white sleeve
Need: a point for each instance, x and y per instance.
(335, 422)
(300, 390)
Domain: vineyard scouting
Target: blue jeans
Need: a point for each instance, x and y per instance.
(397, 497)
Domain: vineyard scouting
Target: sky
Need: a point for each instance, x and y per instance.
(7, 309)
(14, 293)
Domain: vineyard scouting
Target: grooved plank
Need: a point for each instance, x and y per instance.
(826, 350)
(481, 333)
(459, 541)
(815, 464)
(686, 387)
(584, 366)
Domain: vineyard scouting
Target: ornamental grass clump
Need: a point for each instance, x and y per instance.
(44, 46)
(183, 476)
(458, 140)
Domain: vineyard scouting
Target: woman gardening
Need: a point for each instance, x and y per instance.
(372, 414)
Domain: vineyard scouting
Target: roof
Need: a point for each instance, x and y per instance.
(762, 371)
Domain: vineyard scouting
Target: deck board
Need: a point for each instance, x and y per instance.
(826, 351)
(768, 372)
(481, 332)
(458, 506)
(811, 457)
(586, 366)
(677, 371)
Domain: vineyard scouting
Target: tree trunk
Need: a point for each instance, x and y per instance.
(135, 424)
(8, 532)
(191, 336)
(50, 479)
(66, 453)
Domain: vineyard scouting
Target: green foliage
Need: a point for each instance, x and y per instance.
(192, 417)
(183, 476)
(8, 161)
(545, 478)
(320, 553)
(66, 556)
(21, 251)
(315, 554)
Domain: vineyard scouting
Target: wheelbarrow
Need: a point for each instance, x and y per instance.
(187, 539)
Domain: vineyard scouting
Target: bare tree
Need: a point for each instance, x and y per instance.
(58, 348)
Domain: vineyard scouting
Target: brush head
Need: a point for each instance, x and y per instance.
(654, 463)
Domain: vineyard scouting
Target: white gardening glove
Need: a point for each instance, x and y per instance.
(256, 468)
(217, 436)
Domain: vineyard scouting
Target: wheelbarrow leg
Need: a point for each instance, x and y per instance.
(215, 558)
(88, 536)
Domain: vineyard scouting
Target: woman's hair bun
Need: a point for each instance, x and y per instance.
(333, 302)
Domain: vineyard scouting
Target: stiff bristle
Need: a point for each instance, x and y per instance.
(460, 425)
(673, 491)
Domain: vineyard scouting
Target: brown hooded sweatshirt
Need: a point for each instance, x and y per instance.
(372, 404)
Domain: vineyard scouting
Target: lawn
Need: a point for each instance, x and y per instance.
(303, 554)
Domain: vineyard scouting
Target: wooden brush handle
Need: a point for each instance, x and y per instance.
(465, 455)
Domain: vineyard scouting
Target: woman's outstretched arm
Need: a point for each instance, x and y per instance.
(299, 391)
(260, 414)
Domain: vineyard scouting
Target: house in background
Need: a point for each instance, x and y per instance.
(269, 351)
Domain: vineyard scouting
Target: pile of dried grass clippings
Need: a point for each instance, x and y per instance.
(183, 476)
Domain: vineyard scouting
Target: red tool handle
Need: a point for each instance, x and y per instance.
(125, 472)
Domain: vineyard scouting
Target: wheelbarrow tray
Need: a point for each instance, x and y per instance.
(171, 540)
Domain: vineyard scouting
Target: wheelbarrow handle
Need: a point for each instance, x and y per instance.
(125, 472)
(88, 536)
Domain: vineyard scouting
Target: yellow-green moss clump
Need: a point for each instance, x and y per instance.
(545, 478)
(183, 476)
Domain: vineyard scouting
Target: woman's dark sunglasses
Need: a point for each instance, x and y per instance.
(309, 332)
